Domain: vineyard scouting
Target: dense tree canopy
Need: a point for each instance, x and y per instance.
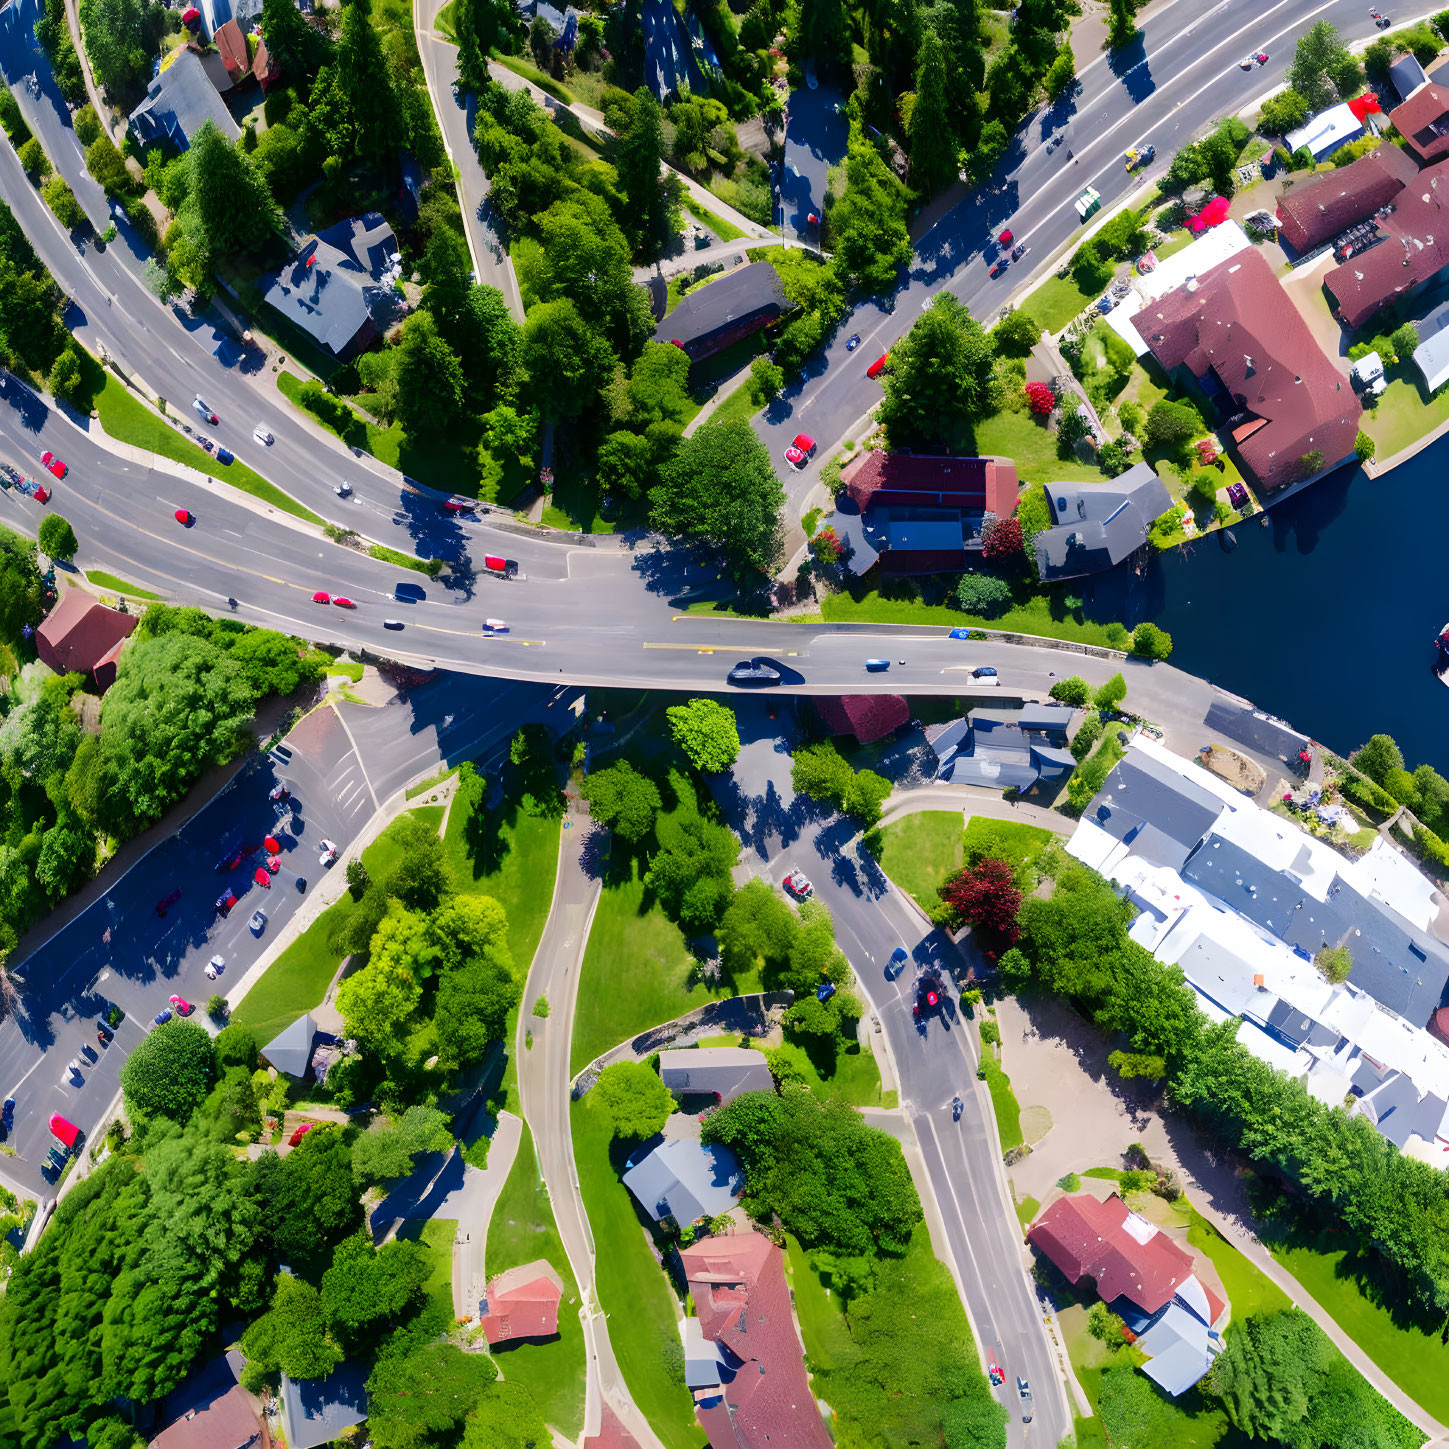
(624, 800)
(291, 1336)
(868, 223)
(634, 1099)
(170, 1071)
(706, 731)
(940, 377)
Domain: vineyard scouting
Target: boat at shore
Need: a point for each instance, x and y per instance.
(1441, 667)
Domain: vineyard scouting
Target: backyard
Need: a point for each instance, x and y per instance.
(522, 1230)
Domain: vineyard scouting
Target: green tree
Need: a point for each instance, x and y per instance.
(367, 84)
(170, 1071)
(707, 733)
(1335, 962)
(566, 361)
(1122, 27)
(367, 1286)
(34, 160)
(623, 800)
(1073, 690)
(1322, 69)
(1151, 642)
(120, 39)
(690, 872)
(429, 378)
(653, 196)
(308, 1199)
(983, 594)
(472, 1010)
(61, 200)
(930, 139)
(20, 585)
(1061, 73)
(291, 1337)
(390, 1150)
(940, 376)
(1283, 113)
(419, 1393)
(1172, 424)
(299, 49)
(634, 1099)
(420, 876)
(1109, 695)
(757, 931)
(506, 1417)
(1016, 334)
(868, 223)
(1379, 757)
(57, 537)
(823, 32)
(479, 26)
(376, 1000)
(221, 200)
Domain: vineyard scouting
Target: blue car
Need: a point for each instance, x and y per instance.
(959, 634)
(825, 991)
(876, 665)
(161, 1017)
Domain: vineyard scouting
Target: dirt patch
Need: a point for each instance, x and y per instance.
(1036, 1122)
(1238, 770)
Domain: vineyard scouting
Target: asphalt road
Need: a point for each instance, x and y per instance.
(339, 764)
(934, 1060)
(815, 140)
(1169, 90)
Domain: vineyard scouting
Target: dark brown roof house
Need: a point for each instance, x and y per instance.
(80, 636)
(1423, 122)
(1235, 330)
(1320, 208)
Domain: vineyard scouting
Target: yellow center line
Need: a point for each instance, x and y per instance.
(734, 648)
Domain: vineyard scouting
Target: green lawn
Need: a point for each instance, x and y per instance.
(827, 1338)
(437, 1237)
(920, 851)
(1037, 616)
(1412, 1358)
(1011, 840)
(1003, 1102)
(739, 407)
(431, 783)
(1026, 1210)
(125, 417)
(534, 77)
(1402, 416)
(102, 580)
(1034, 447)
(726, 231)
(523, 1230)
(443, 21)
(635, 975)
(1056, 302)
(297, 980)
(856, 1076)
(1249, 1289)
(632, 1287)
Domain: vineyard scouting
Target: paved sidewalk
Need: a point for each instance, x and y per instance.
(971, 800)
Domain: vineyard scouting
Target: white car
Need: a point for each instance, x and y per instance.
(215, 967)
(258, 922)
(328, 853)
(498, 626)
(798, 884)
(263, 435)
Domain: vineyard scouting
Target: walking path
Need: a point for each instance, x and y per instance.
(543, 1086)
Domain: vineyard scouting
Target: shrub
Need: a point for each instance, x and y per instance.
(1112, 458)
(1335, 962)
(1171, 424)
(57, 537)
(1040, 398)
(1151, 642)
(1086, 737)
(236, 1045)
(1073, 690)
(1016, 334)
(34, 160)
(87, 124)
(140, 217)
(990, 1034)
(766, 380)
(983, 594)
(1070, 1183)
(216, 1007)
(332, 410)
(1404, 340)
(61, 200)
(1364, 446)
(540, 1007)
(1361, 791)
(1283, 113)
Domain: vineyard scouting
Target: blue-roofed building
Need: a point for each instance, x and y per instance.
(1005, 748)
(685, 1180)
(179, 102)
(316, 1411)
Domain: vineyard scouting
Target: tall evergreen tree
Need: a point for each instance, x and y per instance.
(932, 145)
(367, 82)
(298, 49)
(824, 31)
(652, 195)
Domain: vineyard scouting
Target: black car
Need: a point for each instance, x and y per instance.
(929, 994)
(754, 672)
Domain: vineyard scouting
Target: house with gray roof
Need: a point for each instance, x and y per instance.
(1180, 1348)
(1096, 526)
(339, 287)
(316, 1411)
(1407, 75)
(179, 102)
(290, 1051)
(1153, 809)
(685, 1180)
(716, 314)
(1004, 748)
(1400, 1111)
(721, 1072)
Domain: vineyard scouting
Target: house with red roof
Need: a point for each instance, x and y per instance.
(742, 1350)
(522, 1303)
(1276, 393)
(1423, 122)
(1144, 1276)
(868, 717)
(231, 45)
(1322, 207)
(80, 636)
(227, 1421)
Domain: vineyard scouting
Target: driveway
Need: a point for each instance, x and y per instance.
(816, 133)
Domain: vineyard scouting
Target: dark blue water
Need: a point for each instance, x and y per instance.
(1326, 616)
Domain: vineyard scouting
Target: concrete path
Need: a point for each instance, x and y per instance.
(974, 800)
(543, 1086)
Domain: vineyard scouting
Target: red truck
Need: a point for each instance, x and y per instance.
(495, 563)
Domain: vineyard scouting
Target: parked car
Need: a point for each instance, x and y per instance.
(215, 967)
(7, 1113)
(878, 366)
(204, 412)
(798, 884)
(994, 1370)
(263, 435)
(56, 465)
(258, 922)
(1023, 1390)
(224, 902)
(181, 1006)
(328, 853)
(161, 1017)
(800, 451)
(983, 671)
(460, 505)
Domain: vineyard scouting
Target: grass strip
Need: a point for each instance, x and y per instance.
(1003, 1101)
(102, 580)
(726, 231)
(127, 419)
(534, 77)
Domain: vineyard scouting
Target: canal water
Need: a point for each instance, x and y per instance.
(1325, 617)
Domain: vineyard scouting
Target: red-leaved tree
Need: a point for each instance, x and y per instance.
(986, 897)
(1002, 539)
(1041, 398)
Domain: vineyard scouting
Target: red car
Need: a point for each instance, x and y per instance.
(225, 901)
(459, 505)
(321, 597)
(878, 366)
(184, 518)
(1006, 238)
(994, 1369)
(343, 603)
(182, 1005)
(56, 465)
(800, 451)
(798, 884)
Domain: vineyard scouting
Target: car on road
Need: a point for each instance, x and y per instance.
(224, 902)
(321, 597)
(496, 626)
(204, 412)
(929, 993)
(343, 489)
(959, 633)
(798, 884)
(343, 602)
(263, 435)
(1258, 57)
(161, 1017)
(328, 852)
(258, 922)
(7, 1114)
(999, 266)
(754, 672)
(993, 1370)
(983, 671)
(460, 505)
(409, 593)
(392, 623)
(215, 967)
(852, 342)
(184, 517)
(876, 665)
(181, 1005)
(800, 451)
(1138, 156)
(878, 366)
(280, 792)
(166, 902)
(897, 963)
(56, 465)
(1023, 1392)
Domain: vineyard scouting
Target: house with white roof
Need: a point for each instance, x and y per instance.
(1242, 901)
(1324, 133)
